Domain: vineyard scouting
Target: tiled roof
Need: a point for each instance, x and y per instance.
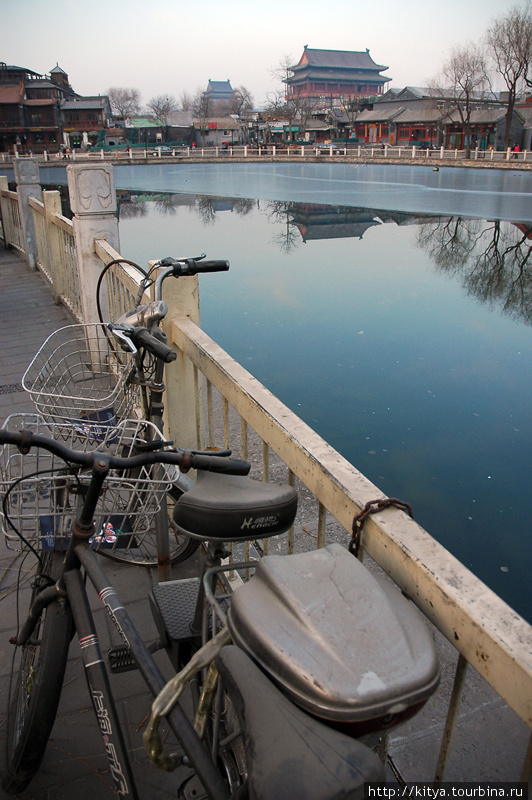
(72, 105)
(180, 119)
(341, 75)
(426, 115)
(142, 122)
(379, 114)
(481, 116)
(222, 89)
(350, 59)
(12, 93)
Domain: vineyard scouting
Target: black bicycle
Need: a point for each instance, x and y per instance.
(292, 669)
(59, 606)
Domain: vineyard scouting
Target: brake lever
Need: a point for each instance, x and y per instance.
(120, 333)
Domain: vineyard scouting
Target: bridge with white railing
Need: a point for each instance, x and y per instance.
(286, 152)
(207, 392)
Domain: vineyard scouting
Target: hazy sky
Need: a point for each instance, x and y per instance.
(167, 46)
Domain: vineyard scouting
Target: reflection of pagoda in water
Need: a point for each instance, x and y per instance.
(316, 222)
(331, 222)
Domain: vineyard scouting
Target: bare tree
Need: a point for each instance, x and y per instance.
(124, 102)
(242, 101)
(161, 107)
(352, 105)
(282, 102)
(466, 75)
(201, 104)
(509, 42)
(185, 101)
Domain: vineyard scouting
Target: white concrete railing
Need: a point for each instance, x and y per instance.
(10, 217)
(282, 152)
(56, 251)
(482, 629)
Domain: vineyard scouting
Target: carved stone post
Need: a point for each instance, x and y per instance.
(27, 179)
(93, 200)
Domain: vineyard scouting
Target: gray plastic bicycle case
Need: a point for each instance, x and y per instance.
(343, 644)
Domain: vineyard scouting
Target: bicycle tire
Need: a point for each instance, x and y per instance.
(37, 691)
(182, 547)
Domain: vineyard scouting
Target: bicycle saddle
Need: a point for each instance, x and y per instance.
(231, 508)
(290, 754)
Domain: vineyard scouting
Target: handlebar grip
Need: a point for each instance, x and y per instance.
(142, 337)
(211, 266)
(208, 463)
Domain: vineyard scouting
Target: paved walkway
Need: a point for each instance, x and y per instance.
(490, 743)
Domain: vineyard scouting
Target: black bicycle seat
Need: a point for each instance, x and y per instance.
(289, 753)
(230, 508)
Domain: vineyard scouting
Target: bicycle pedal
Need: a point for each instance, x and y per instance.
(120, 659)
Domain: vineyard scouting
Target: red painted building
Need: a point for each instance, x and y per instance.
(327, 76)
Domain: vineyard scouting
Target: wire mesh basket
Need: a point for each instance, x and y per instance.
(40, 493)
(81, 376)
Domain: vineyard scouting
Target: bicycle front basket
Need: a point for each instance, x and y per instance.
(40, 493)
(81, 376)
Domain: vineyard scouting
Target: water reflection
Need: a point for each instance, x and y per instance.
(491, 259)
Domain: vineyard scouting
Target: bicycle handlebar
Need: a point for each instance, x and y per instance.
(184, 459)
(193, 266)
(142, 337)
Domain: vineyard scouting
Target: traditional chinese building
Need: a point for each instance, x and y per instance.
(30, 108)
(327, 76)
(83, 118)
(219, 93)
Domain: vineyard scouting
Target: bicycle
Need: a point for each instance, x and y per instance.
(286, 688)
(90, 378)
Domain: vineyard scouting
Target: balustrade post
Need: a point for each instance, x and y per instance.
(4, 187)
(52, 205)
(185, 391)
(93, 200)
(28, 185)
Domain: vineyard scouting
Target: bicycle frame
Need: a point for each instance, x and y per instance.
(71, 584)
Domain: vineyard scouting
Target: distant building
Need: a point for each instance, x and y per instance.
(30, 108)
(424, 117)
(219, 94)
(217, 131)
(327, 76)
(39, 112)
(83, 120)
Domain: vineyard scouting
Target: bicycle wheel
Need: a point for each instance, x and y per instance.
(38, 681)
(143, 553)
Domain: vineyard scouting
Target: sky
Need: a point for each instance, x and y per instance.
(168, 46)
